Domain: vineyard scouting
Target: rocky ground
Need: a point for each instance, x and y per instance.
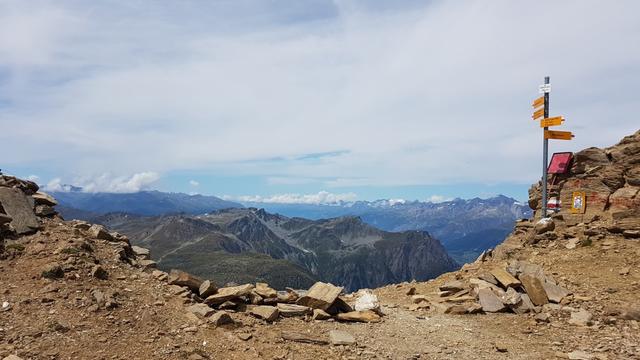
(564, 287)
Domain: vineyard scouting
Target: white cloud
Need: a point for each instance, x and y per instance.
(34, 178)
(194, 183)
(430, 94)
(107, 183)
(322, 197)
(438, 199)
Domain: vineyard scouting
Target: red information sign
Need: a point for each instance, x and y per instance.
(560, 163)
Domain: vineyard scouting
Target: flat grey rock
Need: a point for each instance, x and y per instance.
(16, 205)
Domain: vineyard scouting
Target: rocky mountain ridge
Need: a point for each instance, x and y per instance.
(343, 251)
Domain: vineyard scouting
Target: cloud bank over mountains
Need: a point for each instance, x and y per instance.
(345, 93)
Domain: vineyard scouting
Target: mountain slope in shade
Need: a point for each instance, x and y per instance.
(344, 251)
(148, 203)
(465, 227)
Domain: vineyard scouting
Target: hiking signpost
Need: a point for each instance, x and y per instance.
(541, 112)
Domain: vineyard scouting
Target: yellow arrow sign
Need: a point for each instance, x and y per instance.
(552, 121)
(538, 102)
(538, 114)
(558, 135)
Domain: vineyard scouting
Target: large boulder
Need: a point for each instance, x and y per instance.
(20, 208)
(589, 159)
(320, 296)
(182, 278)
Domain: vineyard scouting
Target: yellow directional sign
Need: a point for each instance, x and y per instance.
(558, 135)
(552, 121)
(538, 102)
(538, 114)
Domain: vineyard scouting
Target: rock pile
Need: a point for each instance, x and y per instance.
(322, 301)
(22, 206)
(520, 287)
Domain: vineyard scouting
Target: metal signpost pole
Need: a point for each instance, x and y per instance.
(545, 151)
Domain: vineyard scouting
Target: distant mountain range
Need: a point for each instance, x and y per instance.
(140, 203)
(251, 244)
(465, 227)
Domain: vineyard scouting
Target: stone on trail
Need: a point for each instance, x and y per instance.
(416, 299)
(207, 288)
(456, 310)
(220, 318)
(160, 275)
(543, 225)
(339, 337)
(504, 278)
(182, 278)
(268, 313)
(359, 316)
(581, 318)
(319, 314)
(320, 296)
(16, 205)
(200, 310)
(147, 264)
(555, 293)
(511, 297)
(579, 355)
(52, 271)
(99, 272)
(535, 289)
(303, 338)
(490, 301)
(228, 293)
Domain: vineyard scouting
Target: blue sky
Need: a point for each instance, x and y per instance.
(355, 99)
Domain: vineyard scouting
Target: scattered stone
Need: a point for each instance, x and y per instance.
(220, 318)
(244, 336)
(207, 288)
(572, 243)
(489, 301)
(411, 291)
(581, 318)
(511, 297)
(504, 278)
(416, 299)
(555, 293)
(12, 357)
(268, 313)
(543, 225)
(99, 272)
(456, 310)
(228, 293)
(147, 264)
(5, 306)
(319, 314)
(52, 271)
(624, 271)
(579, 355)
(359, 316)
(160, 275)
(200, 310)
(524, 306)
(99, 232)
(486, 276)
(320, 296)
(542, 318)
(290, 310)
(265, 291)
(339, 337)
(453, 286)
(303, 338)
(535, 289)
(141, 252)
(500, 347)
(182, 278)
